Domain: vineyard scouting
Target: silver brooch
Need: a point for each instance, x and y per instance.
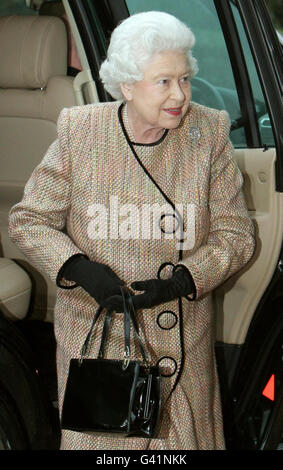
(194, 133)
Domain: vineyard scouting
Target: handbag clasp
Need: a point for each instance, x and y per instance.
(126, 358)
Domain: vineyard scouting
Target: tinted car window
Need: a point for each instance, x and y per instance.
(261, 110)
(15, 7)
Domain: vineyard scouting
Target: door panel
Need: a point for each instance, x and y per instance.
(236, 300)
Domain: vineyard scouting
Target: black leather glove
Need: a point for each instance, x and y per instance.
(96, 278)
(157, 291)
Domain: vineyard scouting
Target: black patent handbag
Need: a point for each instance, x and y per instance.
(109, 396)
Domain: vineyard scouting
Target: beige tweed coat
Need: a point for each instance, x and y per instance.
(69, 207)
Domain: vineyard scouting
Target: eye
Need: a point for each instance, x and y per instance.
(163, 81)
(185, 79)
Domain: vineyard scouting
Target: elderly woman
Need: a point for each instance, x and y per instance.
(152, 148)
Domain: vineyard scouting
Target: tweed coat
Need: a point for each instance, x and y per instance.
(66, 209)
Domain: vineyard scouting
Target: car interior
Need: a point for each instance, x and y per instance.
(34, 87)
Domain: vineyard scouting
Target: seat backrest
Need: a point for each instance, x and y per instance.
(34, 88)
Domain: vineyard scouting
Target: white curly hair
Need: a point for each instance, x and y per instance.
(135, 40)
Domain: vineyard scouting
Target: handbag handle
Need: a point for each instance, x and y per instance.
(86, 341)
(129, 316)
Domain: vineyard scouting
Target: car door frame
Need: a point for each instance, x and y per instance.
(268, 55)
(108, 12)
(264, 331)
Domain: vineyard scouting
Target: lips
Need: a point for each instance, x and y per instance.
(173, 111)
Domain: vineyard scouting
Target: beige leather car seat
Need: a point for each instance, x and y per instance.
(34, 87)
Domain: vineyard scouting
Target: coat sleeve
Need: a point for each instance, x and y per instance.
(36, 224)
(230, 242)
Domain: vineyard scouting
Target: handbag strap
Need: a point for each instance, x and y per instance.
(85, 344)
(129, 317)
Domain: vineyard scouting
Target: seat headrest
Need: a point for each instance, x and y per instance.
(32, 49)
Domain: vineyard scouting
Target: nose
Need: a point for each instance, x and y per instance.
(176, 92)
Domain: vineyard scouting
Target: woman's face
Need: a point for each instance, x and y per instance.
(162, 98)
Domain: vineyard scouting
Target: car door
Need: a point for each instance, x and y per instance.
(239, 59)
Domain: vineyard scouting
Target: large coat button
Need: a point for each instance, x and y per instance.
(165, 271)
(167, 320)
(168, 366)
(169, 223)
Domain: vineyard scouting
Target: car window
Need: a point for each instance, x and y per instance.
(276, 13)
(264, 123)
(16, 7)
(214, 85)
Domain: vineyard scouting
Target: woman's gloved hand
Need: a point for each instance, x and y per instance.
(97, 279)
(157, 291)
